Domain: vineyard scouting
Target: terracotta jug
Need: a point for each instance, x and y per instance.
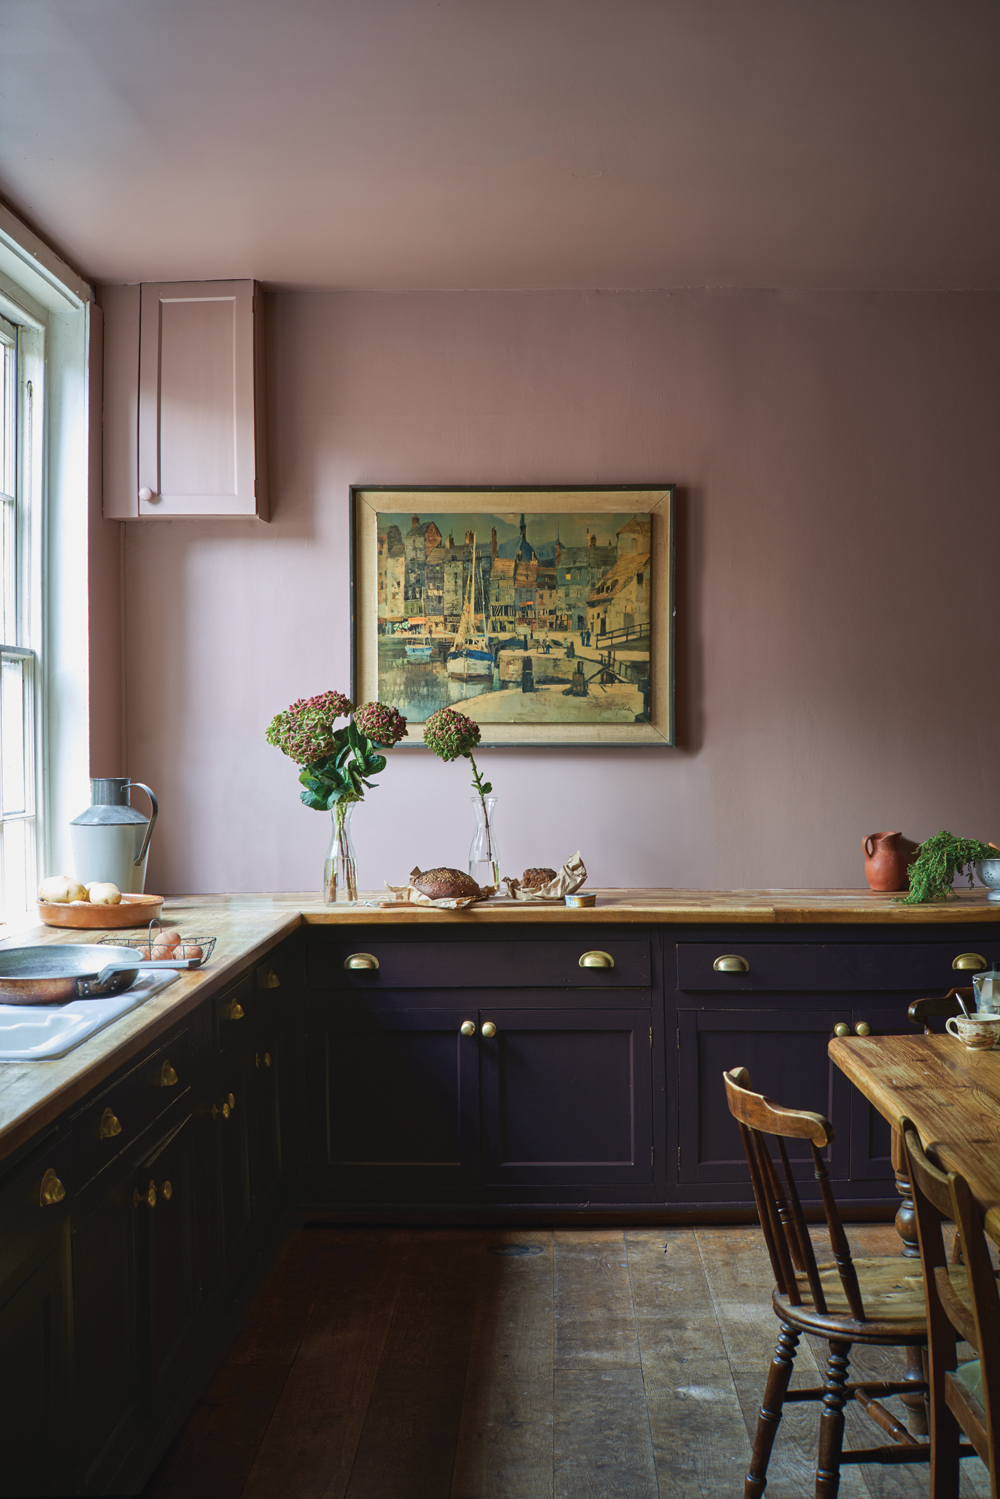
(887, 860)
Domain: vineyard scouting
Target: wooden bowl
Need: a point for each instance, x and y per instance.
(135, 910)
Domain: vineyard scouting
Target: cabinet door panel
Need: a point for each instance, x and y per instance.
(871, 1135)
(826, 967)
(33, 1409)
(784, 1051)
(395, 1097)
(166, 1260)
(104, 1331)
(196, 399)
(567, 1096)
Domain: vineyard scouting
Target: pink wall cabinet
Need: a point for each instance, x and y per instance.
(184, 373)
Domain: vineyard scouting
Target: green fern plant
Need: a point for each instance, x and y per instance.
(940, 859)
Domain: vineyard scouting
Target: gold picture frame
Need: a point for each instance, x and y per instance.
(545, 586)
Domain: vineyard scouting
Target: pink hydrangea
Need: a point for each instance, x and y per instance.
(450, 734)
(304, 731)
(382, 724)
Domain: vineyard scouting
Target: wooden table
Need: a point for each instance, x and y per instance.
(951, 1095)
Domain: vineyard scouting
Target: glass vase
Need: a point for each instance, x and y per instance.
(340, 872)
(484, 856)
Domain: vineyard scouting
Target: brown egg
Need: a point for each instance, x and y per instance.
(168, 937)
(190, 950)
(143, 954)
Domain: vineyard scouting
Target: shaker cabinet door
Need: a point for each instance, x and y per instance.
(785, 1052)
(393, 1102)
(200, 412)
(567, 1096)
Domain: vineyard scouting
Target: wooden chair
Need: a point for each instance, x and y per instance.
(873, 1301)
(962, 1302)
(921, 1010)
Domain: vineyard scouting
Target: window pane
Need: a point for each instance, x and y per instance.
(17, 850)
(13, 778)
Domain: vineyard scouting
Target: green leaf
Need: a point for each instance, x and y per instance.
(487, 788)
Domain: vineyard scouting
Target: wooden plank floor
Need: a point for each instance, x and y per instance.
(481, 1364)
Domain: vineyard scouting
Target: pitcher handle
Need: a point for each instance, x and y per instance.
(151, 824)
(870, 851)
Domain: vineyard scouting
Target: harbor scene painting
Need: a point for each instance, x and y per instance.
(541, 618)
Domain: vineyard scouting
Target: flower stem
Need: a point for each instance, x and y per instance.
(477, 781)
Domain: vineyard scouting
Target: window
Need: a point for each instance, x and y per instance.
(17, 660)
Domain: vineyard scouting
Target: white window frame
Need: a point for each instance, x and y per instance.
(54, 312)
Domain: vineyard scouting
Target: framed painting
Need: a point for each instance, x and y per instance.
(547, 615)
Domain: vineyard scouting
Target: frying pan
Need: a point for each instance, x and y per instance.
(72, 970)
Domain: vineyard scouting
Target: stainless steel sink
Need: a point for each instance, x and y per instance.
(39, 1033)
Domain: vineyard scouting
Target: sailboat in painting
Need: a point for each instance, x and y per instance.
(471, 656)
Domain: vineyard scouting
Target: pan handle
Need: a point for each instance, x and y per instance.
(107, 973)
(150, 825)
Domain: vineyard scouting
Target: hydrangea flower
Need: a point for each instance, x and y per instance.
(450, 734)
(304, 731)
(381, 724)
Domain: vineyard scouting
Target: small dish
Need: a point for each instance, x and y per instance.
(135, 910)
(207, 945)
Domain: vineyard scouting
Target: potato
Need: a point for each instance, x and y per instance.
(60, 889)
(103, 893)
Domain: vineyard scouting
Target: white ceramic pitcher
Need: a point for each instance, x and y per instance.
(111, 838)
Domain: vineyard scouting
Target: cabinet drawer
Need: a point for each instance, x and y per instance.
(827, 967)
(480, 965)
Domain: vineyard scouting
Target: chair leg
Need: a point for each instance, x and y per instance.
(778, 1376)
(831, 1425)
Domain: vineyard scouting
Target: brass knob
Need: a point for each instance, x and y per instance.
(841, 1028)
(166, 1077)
(731, 962)
(51, 1190)
(489, 1029)
(361, 961)
(166, 1191)
(265, 1060)
(231, 1102)
(109, 1126)
(220, 1112)
(235, 1011)
(148, 1197)
(862, 1028)
(970, 962)
(468, 1027)
(595, 960)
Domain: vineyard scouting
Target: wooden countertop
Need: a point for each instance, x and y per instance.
(32, 1094)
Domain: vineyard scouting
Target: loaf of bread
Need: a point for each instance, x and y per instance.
(444, 884)
(533, 879)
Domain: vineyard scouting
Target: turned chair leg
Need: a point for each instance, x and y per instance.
(831, 1425)
(778, 1376)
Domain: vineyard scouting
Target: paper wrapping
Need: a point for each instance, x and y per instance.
(567, 882)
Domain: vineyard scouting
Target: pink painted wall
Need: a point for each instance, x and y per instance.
(839, 534)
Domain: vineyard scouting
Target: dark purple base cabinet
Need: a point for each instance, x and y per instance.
(776, 1019)
(549, 1097)
(589, 1088)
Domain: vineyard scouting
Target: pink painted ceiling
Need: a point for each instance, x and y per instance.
(509, 143)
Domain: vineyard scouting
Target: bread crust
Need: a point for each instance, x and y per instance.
(444, 883)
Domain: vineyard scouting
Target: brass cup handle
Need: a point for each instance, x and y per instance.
(841, 1028)
(235, 1011)
(365, 962)
(969, 962)
(489, 1029)
(148, 1197)
(109, 1126)
(731, 962)
(268, 980)
(596, 960)
(166, 1077)
(51, 1190)
(468, 1028)
(220, 1111)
